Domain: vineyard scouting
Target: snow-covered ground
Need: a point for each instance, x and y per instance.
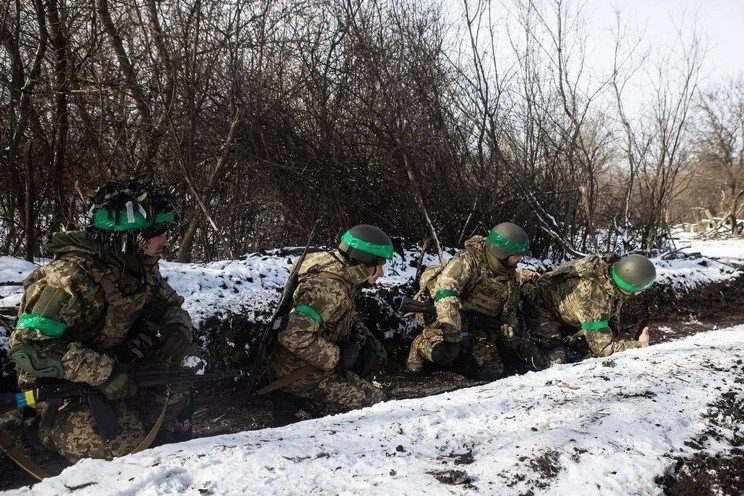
(251, 286)
(606, 426)
(724, 250)
(603, 426)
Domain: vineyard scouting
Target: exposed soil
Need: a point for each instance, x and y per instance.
(227, 407)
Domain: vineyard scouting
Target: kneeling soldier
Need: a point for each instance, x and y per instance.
(99, 310)
(476, 296)
(583, 298)
(324, 336)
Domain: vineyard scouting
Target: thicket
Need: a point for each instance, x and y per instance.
(267, 115)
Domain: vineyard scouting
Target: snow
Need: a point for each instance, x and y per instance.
(607, 426)
(252, 286)
(13, 270)
(603, 426)
(724, 250)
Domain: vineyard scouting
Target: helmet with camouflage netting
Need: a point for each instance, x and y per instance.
(507, 239)
(366, 244)
(633, 273)
(125, 212)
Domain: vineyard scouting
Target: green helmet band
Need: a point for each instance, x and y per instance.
(626, 286)
(128, 221)
(382, 251)
(498, 240)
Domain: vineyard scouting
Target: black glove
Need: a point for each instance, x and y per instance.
(119, 385)
(349, 355)
(135, 348)
(445, 353)
(371, 356)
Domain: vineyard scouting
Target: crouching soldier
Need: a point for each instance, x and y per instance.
(475, 296)
(97, 312)
(325, 347)
(583, 298)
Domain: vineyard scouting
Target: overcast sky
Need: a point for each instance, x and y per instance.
(657, 26)
(720, 21)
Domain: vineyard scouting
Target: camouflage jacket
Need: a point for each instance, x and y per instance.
(79, 307)
(323, 309)
(472, 281)
(581, 295)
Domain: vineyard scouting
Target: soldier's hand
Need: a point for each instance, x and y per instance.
(349, 355)
(371, 356)
(119, 385)
(175, 338)
(135, 348)
(450, 333)
(644, 336)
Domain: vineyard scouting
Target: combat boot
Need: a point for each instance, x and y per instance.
(415, 362)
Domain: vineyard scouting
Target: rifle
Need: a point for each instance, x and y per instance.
(472, 318)
(54, 393)
(279, 318)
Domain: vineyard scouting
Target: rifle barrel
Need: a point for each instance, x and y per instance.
(143, 379)
(409, 305)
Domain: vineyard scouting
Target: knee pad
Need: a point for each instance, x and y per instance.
(26, 360)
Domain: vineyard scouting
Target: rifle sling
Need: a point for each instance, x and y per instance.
(104, 416)
(150, 437)
(7, 445)
(287, 379)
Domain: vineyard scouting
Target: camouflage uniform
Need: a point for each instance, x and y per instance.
(323, 319)
(475, 281)
(576, 298)
(80, 310)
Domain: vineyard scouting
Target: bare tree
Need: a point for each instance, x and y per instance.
(657, 148)
(720, 144)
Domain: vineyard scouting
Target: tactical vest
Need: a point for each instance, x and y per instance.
(487, 291)
(121, 311)
(328, 265)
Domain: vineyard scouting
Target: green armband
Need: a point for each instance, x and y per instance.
(596, 325)
(48, 327)
(309, 312)
(445, 293)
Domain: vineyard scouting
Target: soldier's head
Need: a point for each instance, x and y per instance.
(633, 273)
(508, 242)
(369, 246)
(131, 216)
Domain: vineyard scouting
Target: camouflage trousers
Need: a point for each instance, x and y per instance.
(548, 333)
(74, 435)
(330, 392)
(476, 356)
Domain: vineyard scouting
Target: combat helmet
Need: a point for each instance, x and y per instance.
(366, 244)
(507, 239)
(633, 273)
(125, 212)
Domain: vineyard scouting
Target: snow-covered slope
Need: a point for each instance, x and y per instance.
(604, 426)
(607, 426)
(251, 286)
